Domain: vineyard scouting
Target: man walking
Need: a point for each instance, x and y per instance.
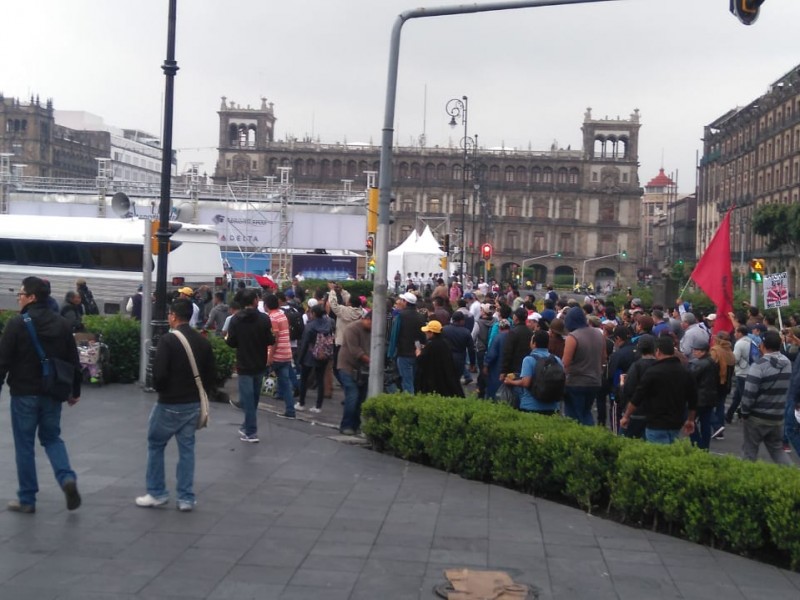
(250, 332)
(33, 411)
(218, 314)
(353, 359)
(764, 401)
(178, 407)
(666, 393)
(279, 355)
(406, 330)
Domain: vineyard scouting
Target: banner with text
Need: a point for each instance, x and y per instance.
(776, 290)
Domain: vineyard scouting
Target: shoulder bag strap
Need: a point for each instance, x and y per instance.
(185, 343)
(34, 338)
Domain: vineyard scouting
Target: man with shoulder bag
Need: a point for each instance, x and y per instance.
(40, 358)
(183, 370)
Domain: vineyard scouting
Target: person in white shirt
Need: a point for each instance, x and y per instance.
(188, 294)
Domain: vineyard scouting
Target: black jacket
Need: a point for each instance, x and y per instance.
(172, 372)
(436, 373)
(250, 332)
(666, 391)
(516, 348)
(411, 323)
(73, 316)
(461, 345)
(706, 377)
(18, 357)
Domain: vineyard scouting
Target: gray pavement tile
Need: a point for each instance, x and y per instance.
(238, 590)
(421, 530)
(400, 552)
(404, 540)
(458, 557)
(701, 575)
(625, 543)
(396, 587)
(709, 589)
(299, 592)
(581, 589)
(261, 574)
(639, 557)
(295, 534)
(591, 570)
(324, 578)
(303, 522)
(335, 548)
(515, 553)
(580, 553)
(451, 543)
(523, 533)
(376, 566)
(333, 563)
(350, 524)
(158, 546)
(348, 536)
(18, 592)
(466, 527)
(570, 539)
(755, 592)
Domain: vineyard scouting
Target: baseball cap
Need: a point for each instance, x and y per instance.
(534, 316)
(289, 293)
(186, 290)
(700, 345)
(433, 326)
(711, 317)
(410, 298)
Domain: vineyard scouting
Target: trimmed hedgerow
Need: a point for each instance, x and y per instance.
(749, 508)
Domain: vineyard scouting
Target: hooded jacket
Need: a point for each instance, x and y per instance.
(18, 358)
(766, 386)
(344, 315)
(250, 332)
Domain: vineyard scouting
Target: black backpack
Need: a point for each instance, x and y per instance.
(296, 325)
(549, 380)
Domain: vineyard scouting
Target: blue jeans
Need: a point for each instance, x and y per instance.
(249, 389)
(718, 416)
(702, 434)
(661, 436)
(283, 371)
(791, 428)
(354, 396)
(737, 397)
(407, 367)
(167, 420)
(29, 413)
(578, 402)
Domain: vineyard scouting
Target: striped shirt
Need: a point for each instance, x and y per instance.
(281, 351)
(765, 387)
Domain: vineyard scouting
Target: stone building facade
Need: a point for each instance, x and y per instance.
(751, 157)
(582, 203)
(659, 193)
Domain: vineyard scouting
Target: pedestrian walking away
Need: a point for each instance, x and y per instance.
(177, 410)
(33, 410)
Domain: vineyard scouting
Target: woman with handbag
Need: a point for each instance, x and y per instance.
(314, 355)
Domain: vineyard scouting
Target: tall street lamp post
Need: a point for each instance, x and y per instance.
(170, 67)
(457, 109)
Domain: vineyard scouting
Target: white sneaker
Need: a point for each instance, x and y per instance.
(298, 406)
(314, 409)
(149, 501)
(185, 505)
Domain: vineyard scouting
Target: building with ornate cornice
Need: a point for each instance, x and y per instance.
(583, 204)
(751, 157)
(659, 193)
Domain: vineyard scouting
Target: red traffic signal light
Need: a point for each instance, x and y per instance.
(370, 245)
(486, 251)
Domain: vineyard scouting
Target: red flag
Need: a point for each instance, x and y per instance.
(713, 274)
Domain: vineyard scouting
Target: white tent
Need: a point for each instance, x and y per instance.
(418, 254)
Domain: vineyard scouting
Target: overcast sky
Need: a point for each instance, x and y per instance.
(529, 74)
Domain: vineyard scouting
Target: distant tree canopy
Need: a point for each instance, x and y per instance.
(780, 224)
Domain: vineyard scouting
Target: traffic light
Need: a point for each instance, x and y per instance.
(486, 251)
(173, 227)
(372, 265)
(447, 243)
(443, 262)
(558, 254)
(370, 245)
(746, 10)
(680, 261)
(624, 254)
(758, 264)
(757, 277)
(372, 210)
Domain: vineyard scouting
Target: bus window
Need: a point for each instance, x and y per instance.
(115, 257)
(7, 254)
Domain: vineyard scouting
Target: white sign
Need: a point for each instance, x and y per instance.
(776, 290)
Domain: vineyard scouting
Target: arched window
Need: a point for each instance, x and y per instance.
(441, 172)
(251, 136)
(509, 175)
(562, 175)
(456, 172)
(522, 175)
(325, 168)
(573, 176)
(233, 134)
(337, 168)
(351, 169)
(311, 168)
(536, 175)
(416, 171)
(299, 167)
(494, 173)
(547, 175)
(430, 171)
(599, 147)
(403, 170)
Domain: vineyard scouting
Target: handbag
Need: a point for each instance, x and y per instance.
(58, 376)
(202, 420)
(361, 375)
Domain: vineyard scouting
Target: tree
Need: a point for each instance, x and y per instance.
(780, 224)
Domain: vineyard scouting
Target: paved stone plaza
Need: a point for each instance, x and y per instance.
(303, 515)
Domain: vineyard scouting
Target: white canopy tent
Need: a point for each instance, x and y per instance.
(418, 254)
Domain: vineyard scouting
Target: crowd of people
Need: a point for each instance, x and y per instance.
(649, 372)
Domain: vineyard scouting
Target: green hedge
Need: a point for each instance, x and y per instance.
(748, 508)
(121, 335)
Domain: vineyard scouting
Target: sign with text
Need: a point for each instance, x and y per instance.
(776, 290)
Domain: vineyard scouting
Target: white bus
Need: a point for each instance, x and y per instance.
(107, 253)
